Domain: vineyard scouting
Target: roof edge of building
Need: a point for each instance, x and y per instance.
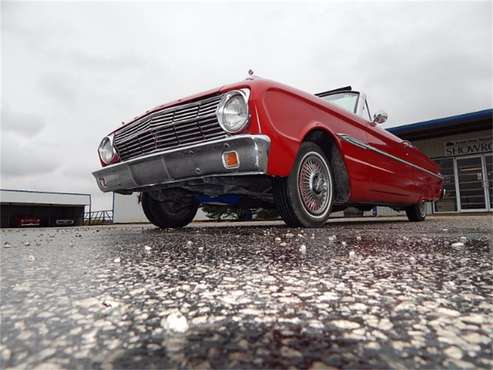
(437, 123)
(44, 192)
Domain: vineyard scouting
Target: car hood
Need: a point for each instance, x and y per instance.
(189, 99)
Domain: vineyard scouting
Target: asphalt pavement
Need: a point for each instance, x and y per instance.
(354, 294)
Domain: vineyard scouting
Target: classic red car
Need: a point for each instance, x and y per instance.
(259, 143)
(27, 221)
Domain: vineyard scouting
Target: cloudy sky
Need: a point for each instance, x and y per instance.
(72, 71)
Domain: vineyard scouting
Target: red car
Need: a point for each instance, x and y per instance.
(27, 221)
(259, 143)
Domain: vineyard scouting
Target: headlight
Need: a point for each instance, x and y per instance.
(106, 150)
(232, 111)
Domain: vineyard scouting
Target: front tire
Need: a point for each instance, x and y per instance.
(417, 212)
(305, 197)
(174, 212)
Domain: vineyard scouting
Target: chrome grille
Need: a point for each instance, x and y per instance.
(170, 128)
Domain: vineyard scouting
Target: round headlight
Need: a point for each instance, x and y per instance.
(232, 112)
(106, 150)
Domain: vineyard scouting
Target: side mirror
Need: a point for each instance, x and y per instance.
(380, 117)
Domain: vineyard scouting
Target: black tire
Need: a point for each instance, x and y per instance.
(245, 215)
(168, 213)
(288, 197)
(417, 212)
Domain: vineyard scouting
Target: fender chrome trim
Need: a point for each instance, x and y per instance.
(360, 144)
(354, 141)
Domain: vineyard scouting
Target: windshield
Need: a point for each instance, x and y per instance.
(345, 100)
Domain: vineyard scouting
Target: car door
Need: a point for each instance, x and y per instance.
(379, 162)
(391, 180)
(394, 180)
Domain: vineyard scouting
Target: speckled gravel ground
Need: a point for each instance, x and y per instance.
(366, 294)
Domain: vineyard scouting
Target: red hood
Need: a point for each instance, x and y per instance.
(191, 98)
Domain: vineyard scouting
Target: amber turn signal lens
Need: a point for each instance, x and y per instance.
(231, 160)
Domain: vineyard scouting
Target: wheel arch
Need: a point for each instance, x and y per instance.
(331, 148)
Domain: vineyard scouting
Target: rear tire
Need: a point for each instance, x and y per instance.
(305, 197)
(417, 212)
(170, 213)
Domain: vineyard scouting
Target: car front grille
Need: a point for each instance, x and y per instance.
(170, 128)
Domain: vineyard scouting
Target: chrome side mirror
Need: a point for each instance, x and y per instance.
(380, 117)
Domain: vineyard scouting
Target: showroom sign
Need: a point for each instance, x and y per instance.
(468, 146)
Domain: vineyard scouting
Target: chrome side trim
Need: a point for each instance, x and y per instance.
(354, 141)
(369, 165)
(360, 144)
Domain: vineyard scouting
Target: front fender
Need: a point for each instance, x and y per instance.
(287, 118)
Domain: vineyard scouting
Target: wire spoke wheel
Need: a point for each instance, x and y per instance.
(315, 184)
(304, 198)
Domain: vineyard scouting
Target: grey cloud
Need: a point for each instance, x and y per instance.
(440, 83)
(21, 123)
(20, 165)
(106, 62)
(59, 89)
(25, 160)
(78, 169)
(51, 44)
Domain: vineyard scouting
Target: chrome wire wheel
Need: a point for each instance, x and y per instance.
(422, 208)
(315, 185)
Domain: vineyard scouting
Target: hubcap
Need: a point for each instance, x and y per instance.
(315, 184)
(422, 208)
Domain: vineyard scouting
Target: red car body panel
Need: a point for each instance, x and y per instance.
(287, 115)
(399, 175)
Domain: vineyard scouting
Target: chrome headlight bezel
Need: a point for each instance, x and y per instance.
(244, 94)
(106, 150)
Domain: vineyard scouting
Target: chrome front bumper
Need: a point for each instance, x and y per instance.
(186, 163)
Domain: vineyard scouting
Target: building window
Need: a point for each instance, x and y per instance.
(449, 203)
(488, 160)
(471, 183)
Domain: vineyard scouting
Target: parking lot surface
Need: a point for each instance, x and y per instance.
(359, 294)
